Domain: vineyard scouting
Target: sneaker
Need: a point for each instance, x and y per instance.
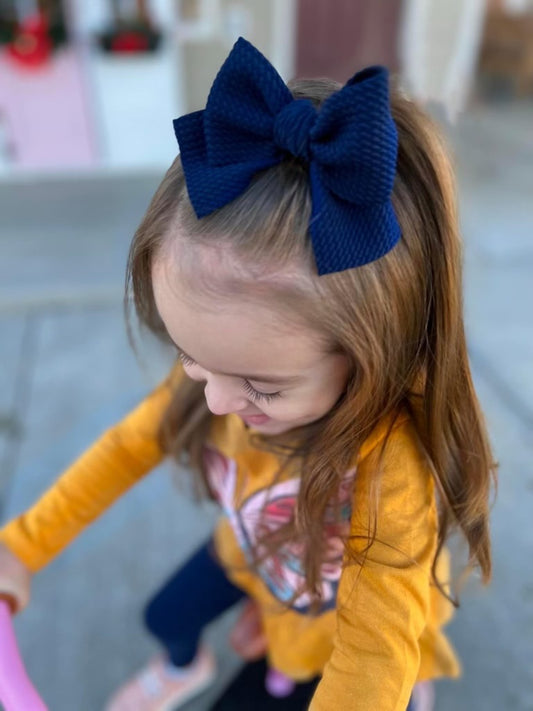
(161, 687)
(278, 685)
(423, 698)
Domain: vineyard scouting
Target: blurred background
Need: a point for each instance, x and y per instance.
(87, 94)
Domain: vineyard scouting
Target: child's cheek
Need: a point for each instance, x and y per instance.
(286, 408)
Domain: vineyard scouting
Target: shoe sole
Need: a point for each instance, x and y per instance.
(174, 705)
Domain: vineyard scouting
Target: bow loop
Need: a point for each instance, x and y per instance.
(242, 103)
(292, 127)
(360, 164)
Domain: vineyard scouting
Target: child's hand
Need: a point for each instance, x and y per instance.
(15, 578)
(247, 637)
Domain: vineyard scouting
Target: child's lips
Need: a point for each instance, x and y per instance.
(255, 419)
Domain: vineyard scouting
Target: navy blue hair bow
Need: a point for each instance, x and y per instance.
(251, 122)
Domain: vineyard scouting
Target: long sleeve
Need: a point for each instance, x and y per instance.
(383, 606)
(105, 471)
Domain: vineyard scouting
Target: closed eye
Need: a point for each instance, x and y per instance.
(185, 359)
(255, 395)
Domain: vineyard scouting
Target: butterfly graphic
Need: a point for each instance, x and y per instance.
(266, 511)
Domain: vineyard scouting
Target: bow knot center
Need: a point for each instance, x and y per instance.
(292, 127)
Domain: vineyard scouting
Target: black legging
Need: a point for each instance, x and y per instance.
(194, 596)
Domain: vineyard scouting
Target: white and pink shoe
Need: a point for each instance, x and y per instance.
(278, 685)
(161, 687)
(423, 698)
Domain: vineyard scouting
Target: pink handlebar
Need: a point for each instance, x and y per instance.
(16, 690)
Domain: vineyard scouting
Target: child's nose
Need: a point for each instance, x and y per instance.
(224, 397)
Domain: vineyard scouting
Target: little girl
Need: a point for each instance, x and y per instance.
(302, 255)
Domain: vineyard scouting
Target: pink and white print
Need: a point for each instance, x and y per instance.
(265, 511)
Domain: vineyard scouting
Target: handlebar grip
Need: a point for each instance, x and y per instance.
(17, 693)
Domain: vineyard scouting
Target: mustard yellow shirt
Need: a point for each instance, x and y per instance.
(380, 629)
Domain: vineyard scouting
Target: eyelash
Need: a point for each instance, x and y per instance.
(254, 394)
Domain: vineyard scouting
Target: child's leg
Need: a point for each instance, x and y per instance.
(247, 691)
(194, 596)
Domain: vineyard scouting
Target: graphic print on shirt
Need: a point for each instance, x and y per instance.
(265, 511)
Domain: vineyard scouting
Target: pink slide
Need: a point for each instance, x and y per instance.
(16, 690)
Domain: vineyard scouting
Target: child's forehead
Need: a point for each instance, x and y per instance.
(225, 332)
(216, 271)
(225, 299)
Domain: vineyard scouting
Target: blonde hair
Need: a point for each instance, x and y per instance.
(398, 320)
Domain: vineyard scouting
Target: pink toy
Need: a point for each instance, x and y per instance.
(16, 690)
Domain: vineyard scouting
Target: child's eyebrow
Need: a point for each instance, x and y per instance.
(261, 378)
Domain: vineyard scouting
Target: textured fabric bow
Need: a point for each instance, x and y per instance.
(251, 122)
